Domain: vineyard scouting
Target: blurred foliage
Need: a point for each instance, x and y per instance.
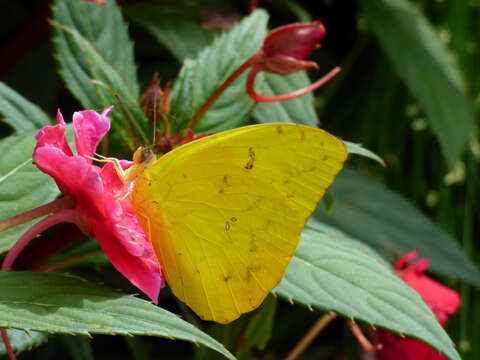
(409, 91)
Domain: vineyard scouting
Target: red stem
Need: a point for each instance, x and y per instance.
(260, 98)
(6, 342)
(250, 62)
(53, 206)
(65, 215)
(362, 339)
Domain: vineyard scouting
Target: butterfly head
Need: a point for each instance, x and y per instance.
(143, 157)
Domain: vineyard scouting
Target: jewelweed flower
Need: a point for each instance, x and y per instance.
(283, 52)
(97, 203)
(443, 302)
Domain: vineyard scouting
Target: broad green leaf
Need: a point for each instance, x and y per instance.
(333, 276)
(59, 303)
(21, 341)
(200, 77)
(377, 216)
(19, 113)
(342, 238)
(96, 58)
(103, 27)
(22, 186)
(358, 149)
(299, 110)
(108, 83)
(175, 25)
(424, 64)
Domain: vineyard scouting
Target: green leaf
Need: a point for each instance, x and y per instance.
(424, 64)
(332, 276)
(103, 27)
(200, 77)
(65, 304)
(372, 213)
(96, 58)
(358, 149)
(175, 25)
(21, 341)
(22, 186)
(19, 113)
(299, 110)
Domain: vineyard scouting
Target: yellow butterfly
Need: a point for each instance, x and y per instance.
(224, 213)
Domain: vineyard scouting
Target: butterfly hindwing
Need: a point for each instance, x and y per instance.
(224, 213)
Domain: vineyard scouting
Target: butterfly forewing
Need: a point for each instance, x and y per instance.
(224, 213)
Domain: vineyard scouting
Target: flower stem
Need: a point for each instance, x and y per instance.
(260, 98)
(65, 215)
(249, 62)
(6, 342)
(311, 335)
(53, 206)
(362, 339)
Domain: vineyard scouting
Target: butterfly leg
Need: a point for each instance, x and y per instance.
(116, 163)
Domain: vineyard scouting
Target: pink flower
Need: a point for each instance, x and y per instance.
(96, 206)
(443, 302)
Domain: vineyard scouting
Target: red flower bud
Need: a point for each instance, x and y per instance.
(283, 52)
(285, 48)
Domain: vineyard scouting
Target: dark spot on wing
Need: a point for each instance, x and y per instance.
(253, 245)
(302, 135)
(251, 159)
(279, 129)
(179, 254)
(221, 191)
(233, 219)
(184, 176)
(286, 181)
(226, 278)
(225, 180)
(313, 168)
(196, 270)
(155, 202)
(325, 157)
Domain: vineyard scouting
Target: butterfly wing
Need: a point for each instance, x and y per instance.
(224, 213)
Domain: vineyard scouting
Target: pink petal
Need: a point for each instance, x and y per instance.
(74, 176)
(54, 136)
(142, 270)
(90, 127)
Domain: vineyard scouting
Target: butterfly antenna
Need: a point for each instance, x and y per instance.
(130, 117)
(155, 98)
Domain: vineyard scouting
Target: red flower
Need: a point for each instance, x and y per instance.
(441, 300)
(96, 206)
(283, 52)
